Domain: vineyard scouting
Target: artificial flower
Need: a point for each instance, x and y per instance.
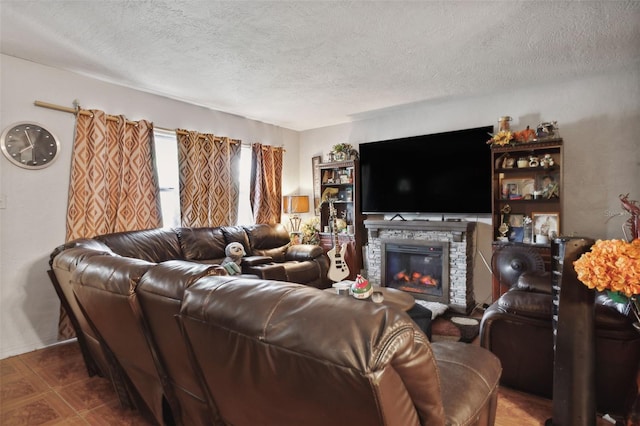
(612, 265)
(503, 137)
(310, 229)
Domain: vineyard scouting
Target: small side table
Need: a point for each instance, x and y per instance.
(392, 297)
(400, 300)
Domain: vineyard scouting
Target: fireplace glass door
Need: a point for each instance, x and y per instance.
(418, 267)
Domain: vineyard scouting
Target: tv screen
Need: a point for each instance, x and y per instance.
(439, 173)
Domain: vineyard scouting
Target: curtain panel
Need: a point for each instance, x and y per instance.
(209, 179)
(266, 183)
(113, 185)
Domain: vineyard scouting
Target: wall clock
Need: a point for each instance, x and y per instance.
(29, 145)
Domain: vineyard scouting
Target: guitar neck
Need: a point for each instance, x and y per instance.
(336, 242)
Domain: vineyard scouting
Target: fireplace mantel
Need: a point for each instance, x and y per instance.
(456, 227)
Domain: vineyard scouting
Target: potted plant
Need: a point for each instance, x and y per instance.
(342, 151)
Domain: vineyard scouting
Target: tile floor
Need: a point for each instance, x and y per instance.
(51, 387)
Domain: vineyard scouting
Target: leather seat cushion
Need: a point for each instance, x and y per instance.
(299, 272)
(268, 271)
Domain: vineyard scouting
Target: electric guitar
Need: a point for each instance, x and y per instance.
(338, 269)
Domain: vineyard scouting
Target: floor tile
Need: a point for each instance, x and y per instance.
(20, 384)
(113, 414)
(41, 409)
(87, 394)
(12, 367)
(62, 374)
(54, 355)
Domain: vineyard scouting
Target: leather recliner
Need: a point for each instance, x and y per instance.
(284, 354)
(518, 328)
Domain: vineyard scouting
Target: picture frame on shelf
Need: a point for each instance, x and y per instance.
(547, 185)
(516, 220)
(295, 237)
(546, 224)
(518, 188)
(516, 234)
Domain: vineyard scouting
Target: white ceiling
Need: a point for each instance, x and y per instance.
(309, 64)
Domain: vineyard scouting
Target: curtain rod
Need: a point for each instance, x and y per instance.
(77, 110)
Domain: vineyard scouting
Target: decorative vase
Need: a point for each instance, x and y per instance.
(504, 124)
(340, 156)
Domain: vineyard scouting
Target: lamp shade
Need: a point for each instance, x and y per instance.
(295, 204)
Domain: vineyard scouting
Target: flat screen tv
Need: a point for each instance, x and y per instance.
(441, 173)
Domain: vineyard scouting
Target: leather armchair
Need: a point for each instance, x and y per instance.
(518, 329)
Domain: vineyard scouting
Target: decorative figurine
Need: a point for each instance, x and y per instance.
(234, 253)
(547, 161)
(361, 289)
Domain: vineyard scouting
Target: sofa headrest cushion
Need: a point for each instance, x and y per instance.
(114, 274)
(200, 244)
(170, 279)
(152, 245)
(536, 281)
(268, 240)
(237, 234)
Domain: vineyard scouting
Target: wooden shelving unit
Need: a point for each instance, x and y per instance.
(339, 182)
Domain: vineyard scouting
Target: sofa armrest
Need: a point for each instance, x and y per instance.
(256, 260)
(527, 304)
(302, 252)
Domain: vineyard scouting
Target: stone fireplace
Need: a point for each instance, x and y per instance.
(419, 267)
(433, 260)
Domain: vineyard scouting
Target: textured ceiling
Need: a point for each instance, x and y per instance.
(308, 64)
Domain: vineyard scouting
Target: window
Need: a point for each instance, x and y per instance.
(166, 153)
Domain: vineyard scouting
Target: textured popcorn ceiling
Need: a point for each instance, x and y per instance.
(308, 64)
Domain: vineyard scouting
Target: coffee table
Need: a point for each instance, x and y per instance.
(392, 297)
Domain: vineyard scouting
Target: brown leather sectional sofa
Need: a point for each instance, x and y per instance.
(187, 344)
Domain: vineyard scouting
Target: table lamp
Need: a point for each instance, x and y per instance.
(292, 205)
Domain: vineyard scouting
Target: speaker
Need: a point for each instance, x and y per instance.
(509, 262)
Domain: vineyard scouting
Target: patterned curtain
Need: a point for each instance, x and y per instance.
(266, 183)
(113, 185)
(209, 179)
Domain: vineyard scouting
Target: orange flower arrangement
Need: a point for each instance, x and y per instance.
(612, 265)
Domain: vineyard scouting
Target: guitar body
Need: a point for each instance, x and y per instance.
(338, 269)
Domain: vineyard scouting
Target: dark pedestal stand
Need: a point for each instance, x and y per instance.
(574, 402)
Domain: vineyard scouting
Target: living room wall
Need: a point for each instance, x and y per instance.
(598, 118)
(33, 209)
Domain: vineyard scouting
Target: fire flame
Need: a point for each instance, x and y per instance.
(415, 277)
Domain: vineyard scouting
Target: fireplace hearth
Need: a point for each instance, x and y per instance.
(417, 267)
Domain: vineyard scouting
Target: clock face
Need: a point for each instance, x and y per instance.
(29, 145)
